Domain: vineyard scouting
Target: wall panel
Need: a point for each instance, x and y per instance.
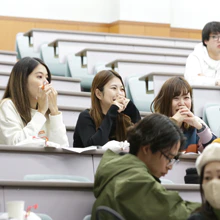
(10, 26)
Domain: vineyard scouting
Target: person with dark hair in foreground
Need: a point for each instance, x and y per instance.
(130, 183)
(203, 64)
(208, 167)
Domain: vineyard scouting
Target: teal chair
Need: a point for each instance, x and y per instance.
(104, 211)
(75, 70)
(166, 181)
(45, 177)
(87, 217)
(136, 91)
(43, 216)
(23, 48)
(55, 67)
(212, 117)
(204, 117)
(99, 67)
(128, 92)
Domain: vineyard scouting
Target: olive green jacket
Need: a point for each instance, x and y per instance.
(124, 184)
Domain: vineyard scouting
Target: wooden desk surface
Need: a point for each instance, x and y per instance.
(6, 52)
(46, 184)
(7, 63)
(114, 63)
(66, 93)
(55, 43)
(79, 185)
(57, 78)
(45, 150)
(8, 148)
(84, 51)
(205, 87)
(30, 34)
(148, 76)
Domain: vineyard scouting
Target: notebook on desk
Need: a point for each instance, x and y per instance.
(80, 150)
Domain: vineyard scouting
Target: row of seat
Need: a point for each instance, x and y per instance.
(69, 69)
(73, 69)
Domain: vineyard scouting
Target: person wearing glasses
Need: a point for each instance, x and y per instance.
(175, 101)
(130, 184)
(203, 64)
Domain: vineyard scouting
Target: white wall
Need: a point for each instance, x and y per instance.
(194, 14)
(178, 13)
(145, 10)
(102, 11)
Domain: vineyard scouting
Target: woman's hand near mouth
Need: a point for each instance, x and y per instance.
(181, 114)
(121, 102)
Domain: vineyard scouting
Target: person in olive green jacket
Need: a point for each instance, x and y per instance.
(130, 185)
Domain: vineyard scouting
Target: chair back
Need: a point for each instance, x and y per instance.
(213, 118)
(53, 63)
(75, 70)
(137, 92)
(103, 211)
(87, 217)
(24, 48)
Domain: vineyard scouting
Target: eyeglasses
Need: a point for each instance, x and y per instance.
(171, 161)
(215, 37)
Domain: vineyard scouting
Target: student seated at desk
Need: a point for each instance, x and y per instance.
(130, 184)
(203, 64)
(29, 105)
(175, 100)
(110, 115)
(208, 167)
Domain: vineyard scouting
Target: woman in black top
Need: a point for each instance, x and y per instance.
(110, 115)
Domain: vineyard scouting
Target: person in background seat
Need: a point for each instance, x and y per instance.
(110, 115)
(29, 105)
(203, 64)
(175, 101)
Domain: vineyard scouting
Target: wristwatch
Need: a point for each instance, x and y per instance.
(201, 129)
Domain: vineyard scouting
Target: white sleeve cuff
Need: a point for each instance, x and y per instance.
(38, 120)
(56, 120)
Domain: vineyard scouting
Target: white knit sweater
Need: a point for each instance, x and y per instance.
(199, 62)
(13, 131)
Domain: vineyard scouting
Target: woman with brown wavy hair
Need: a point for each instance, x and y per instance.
(175, 101)
(110, 115)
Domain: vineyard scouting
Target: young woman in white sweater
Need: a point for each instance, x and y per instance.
(29, 105)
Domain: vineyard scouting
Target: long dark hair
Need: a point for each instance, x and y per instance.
(123, 121)
(156, 130)
(17, 89)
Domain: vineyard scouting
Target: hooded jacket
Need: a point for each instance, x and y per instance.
(124, 184)
(199, 62)
(201, 216)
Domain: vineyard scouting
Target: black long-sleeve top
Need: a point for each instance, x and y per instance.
(86, 134)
